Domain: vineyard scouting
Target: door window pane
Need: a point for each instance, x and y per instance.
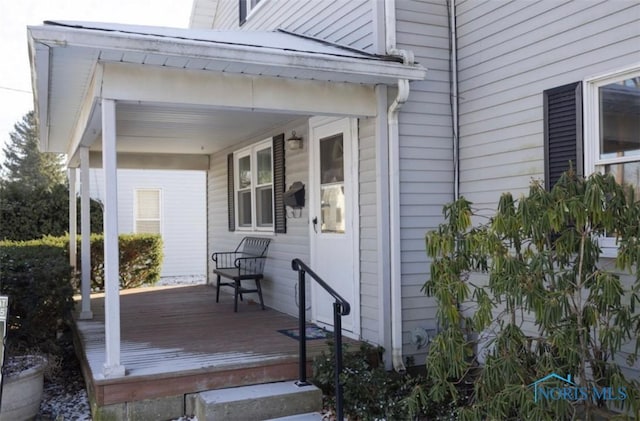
(332, 208)
(331, 159)
(332, 200)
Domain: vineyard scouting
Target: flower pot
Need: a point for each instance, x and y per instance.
(22, 391)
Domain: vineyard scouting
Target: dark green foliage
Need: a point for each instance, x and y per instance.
(31, 214)
(36, 277)
(25, 164)
(547, 300)
(140, 260)
(370, 392)
(34, 196)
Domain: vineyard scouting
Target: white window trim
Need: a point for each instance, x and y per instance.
(251, 10)
(591, 136)
(135, 209)
(251, 151)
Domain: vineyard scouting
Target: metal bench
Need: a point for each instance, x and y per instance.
(246, 262)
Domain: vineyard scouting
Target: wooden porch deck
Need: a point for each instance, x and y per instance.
(178, 340)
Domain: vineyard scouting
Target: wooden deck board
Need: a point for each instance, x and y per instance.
(178, 340)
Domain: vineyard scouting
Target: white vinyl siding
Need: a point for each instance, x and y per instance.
(342, 22)
(203, 13)
(426, 169)
(509, 53)
(369, 307)
(183, 213)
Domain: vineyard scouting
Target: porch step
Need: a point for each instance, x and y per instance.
(309, 416)
(255, 402)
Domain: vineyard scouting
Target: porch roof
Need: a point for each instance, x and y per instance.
(64, 57)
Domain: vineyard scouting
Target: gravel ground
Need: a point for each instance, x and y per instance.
(65, 395)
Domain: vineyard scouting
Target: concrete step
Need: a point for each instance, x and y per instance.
(254, 403)
(309, 416)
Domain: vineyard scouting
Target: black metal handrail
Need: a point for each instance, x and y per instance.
(340, 308)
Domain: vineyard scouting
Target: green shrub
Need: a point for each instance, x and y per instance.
(36, 277)
(549, 303)
(370, 392)
(28, 214)
(140, 260)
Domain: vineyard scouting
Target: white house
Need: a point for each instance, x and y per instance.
(401, 105)
(169, 203)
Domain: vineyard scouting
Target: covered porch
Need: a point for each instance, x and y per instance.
(120, 96)
(177, 340)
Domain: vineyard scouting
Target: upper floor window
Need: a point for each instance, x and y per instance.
(246, 7)
(147, 211)
(254, 187)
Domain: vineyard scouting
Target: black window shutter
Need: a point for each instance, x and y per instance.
(243, 11)
(280, 216)
(231, 193)
(562, 131)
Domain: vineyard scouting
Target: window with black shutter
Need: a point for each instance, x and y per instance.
(562, 131)
(605, 140)
(255, 187)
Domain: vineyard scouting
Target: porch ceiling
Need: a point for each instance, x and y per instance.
(70, 62)
(183, 129)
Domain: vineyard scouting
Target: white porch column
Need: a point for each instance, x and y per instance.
(112, 366)
(85, 243)
(73, 220)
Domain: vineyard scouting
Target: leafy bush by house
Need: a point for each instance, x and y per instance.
(36, 277)
(548, 304)
(140, 260)
(370, 392)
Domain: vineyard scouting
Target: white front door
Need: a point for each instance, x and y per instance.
(334, 218)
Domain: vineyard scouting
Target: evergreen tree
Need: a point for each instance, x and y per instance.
(25, 164)
(34, 196)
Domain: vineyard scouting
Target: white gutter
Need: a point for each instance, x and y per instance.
(337, 63)
(394, 187)
(454, 99)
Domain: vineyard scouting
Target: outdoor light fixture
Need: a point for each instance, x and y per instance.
(294, 142)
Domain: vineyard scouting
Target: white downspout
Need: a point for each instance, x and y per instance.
(394, 187)
(454, 99)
